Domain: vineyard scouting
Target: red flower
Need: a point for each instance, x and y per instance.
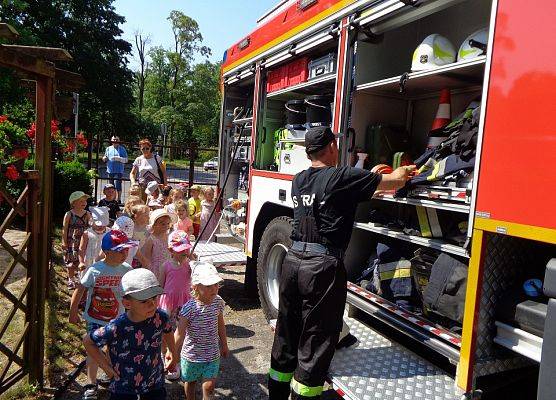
(81, 139)
(54, 126)
(11, 173)
(70, 146)
(32, 131)
(3, 118)
(21, 153)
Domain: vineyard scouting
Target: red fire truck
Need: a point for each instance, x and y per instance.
(475, 245)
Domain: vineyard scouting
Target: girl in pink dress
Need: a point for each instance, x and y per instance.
(156, 246)
(184, 222)
(208, 225)
(175, 278)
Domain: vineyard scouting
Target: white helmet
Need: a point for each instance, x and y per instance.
(433, 52)
(474, 46)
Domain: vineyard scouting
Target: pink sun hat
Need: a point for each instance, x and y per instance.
(179, 241)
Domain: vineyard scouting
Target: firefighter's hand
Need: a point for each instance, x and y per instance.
(403, 173)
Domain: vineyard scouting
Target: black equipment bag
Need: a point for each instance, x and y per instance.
(445, 292)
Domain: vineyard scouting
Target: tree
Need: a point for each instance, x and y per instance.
(90, 31)
(200, 106)
(140, 44)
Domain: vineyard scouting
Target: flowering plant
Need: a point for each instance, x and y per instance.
(13, 148)
(61, 142)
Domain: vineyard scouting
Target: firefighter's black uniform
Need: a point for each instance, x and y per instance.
(313, 278)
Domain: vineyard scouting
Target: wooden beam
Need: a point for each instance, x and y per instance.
(70, 81)
(48, 53)
(8, 32)
(22, 62)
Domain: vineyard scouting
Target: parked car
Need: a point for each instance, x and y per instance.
(211, 164)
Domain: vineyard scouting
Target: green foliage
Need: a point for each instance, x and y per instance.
(68, 177)
(178, 93)
(90, 31)
(184, 96)
(21, 112)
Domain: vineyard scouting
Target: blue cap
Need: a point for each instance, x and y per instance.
(117, 241)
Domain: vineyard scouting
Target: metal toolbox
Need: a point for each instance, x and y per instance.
(293, 160)
(322, 66)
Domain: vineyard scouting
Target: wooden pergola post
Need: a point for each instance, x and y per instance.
(36, 63)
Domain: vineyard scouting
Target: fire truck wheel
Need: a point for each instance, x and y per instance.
(274, 246)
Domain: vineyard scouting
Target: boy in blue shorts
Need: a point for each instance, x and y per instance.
(134, 339)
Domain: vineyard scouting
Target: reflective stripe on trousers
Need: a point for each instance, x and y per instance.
(280, 376)
(306, 391)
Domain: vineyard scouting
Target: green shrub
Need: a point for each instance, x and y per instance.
(205, 155)
(68, 177)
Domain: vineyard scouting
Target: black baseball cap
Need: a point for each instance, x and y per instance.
(318, 137)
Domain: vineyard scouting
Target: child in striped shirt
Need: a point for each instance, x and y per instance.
(202, 331)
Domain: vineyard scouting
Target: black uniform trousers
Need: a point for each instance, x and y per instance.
(312, 300)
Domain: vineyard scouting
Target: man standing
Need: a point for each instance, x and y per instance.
(313, 278)
(115, 156)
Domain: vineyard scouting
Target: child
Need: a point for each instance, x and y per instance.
(135, 190)
(140, 216)
(154, 199)
(127, 226)
(194, 203)
(175, 195)
(156, 246)
(201, 324)
(104, 297)
(90, 246)
(130, 202)
(207, 205)
(76, 221)
(134, 340)
(184, 222)
(175, 278)
(110, 201)
(165, 195)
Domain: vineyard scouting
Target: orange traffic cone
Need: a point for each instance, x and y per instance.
(443, 118)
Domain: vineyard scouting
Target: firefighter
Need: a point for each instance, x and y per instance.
(313, 279)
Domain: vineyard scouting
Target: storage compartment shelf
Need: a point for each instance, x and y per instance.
(519, 341)
(242, 121)
(436, 244)
(295, 141)
(461, 208)
(300, 91)
(453, 76)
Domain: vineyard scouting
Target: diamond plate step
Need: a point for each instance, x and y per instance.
(376, 368)
(219, 254)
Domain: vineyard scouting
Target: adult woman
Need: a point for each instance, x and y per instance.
(147, 167)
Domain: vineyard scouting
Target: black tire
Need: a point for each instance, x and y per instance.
(276, 238)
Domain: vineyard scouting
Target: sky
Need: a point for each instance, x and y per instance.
(221, 22)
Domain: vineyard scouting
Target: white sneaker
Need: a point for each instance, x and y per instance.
(174, 375)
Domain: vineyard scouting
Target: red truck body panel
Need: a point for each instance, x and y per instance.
(286, 23)
(517, 179)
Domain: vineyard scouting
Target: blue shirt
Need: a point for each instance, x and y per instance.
(115, 167)
(135, 352)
